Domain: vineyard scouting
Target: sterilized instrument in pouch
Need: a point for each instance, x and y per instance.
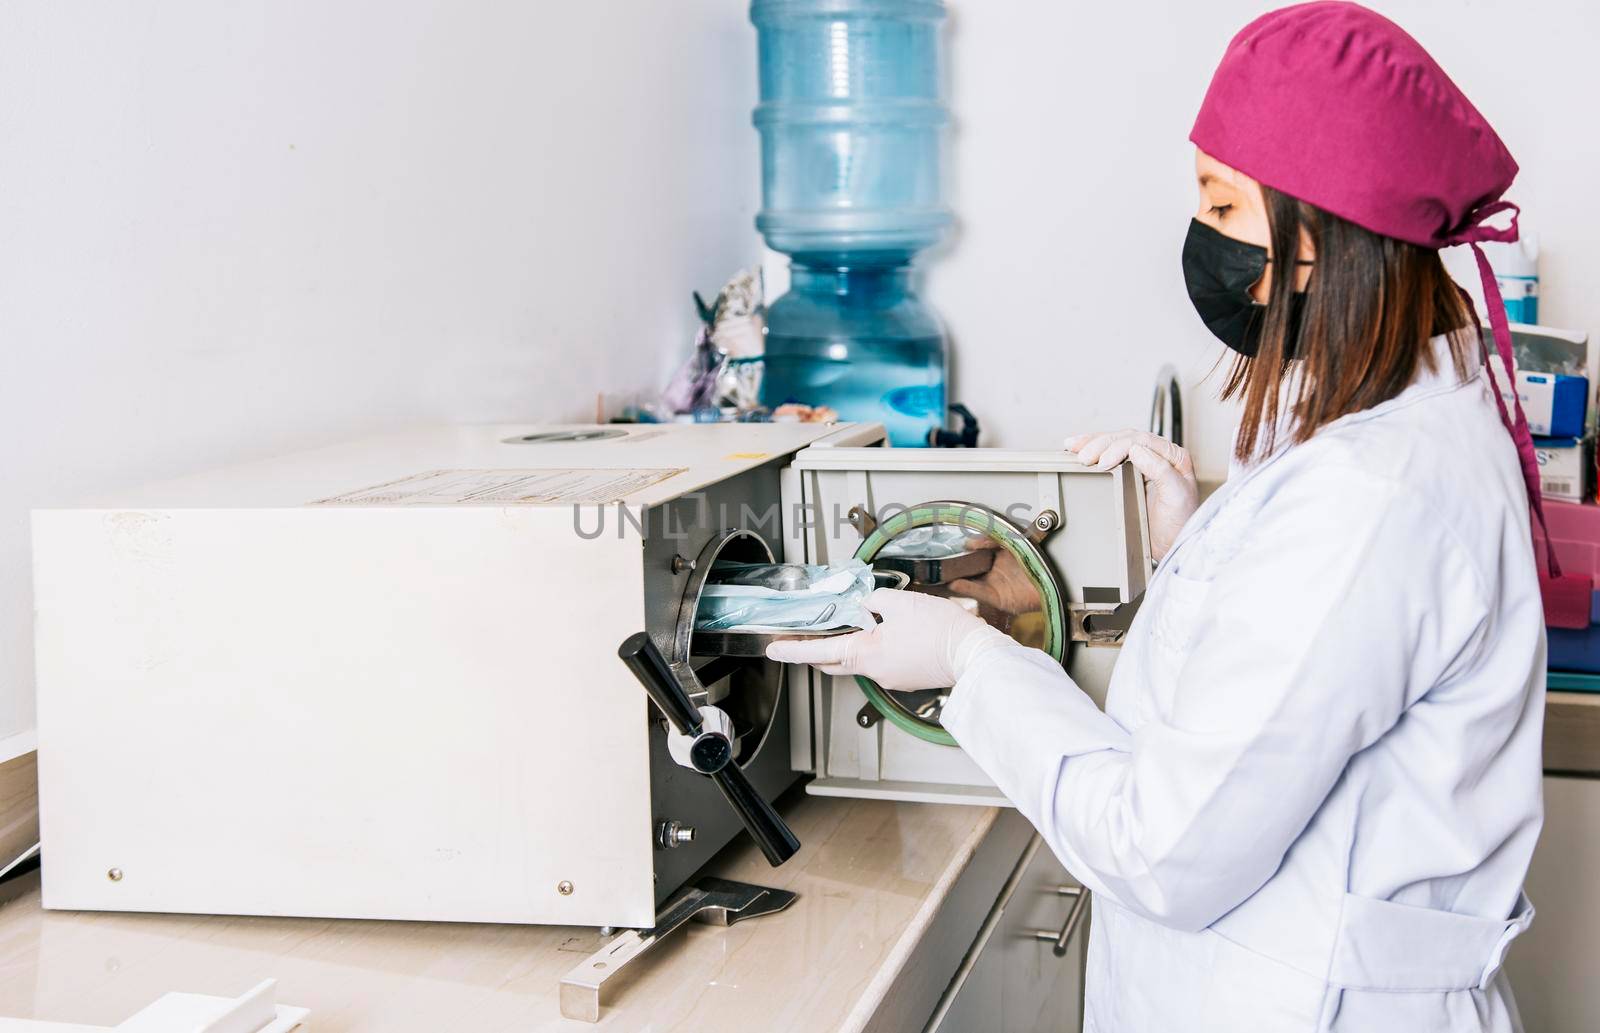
(381, 680)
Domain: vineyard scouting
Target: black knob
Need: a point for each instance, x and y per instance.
(711, 753)
(966, 437)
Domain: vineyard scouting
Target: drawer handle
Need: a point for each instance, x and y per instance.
(1069, 928)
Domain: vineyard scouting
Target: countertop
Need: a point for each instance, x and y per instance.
(870, 877)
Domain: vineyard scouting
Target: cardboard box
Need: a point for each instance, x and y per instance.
(1552, 379)
(1566, 467)
(1555, 404)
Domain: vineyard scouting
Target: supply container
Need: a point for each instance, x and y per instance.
(1516, 273)
(1566, 467)
(1575, 533)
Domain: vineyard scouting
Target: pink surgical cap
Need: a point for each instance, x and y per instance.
(1337, 106)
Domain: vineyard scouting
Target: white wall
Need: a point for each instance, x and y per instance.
(231, 229)
(1072, 180)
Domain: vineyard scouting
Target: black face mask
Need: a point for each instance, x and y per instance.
(1219, 272)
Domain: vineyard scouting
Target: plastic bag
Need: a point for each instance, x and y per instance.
(694, 386)
(785, 597)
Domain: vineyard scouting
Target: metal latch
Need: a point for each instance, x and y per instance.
(1103, 625)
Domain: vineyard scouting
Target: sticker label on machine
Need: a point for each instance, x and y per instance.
(504, 488)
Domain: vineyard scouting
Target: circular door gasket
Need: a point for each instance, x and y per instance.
(987, 523)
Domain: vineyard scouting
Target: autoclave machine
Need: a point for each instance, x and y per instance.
(381, 679)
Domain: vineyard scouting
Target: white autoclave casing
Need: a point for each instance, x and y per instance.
(380, 680)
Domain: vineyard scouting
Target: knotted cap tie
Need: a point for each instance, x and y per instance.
(1335, 105)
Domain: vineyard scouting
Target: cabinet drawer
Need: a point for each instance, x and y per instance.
(1011, 980)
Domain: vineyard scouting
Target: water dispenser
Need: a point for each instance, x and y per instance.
(851, 120)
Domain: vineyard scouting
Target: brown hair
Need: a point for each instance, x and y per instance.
(1372, 304)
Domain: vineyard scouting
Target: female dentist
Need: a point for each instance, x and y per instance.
(1312, 797)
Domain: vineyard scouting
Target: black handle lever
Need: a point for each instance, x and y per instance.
(711, 753)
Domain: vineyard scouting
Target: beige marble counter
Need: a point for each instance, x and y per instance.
(871, 877)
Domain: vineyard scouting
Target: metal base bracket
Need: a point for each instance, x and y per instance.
(710, 900)
(1103, 625)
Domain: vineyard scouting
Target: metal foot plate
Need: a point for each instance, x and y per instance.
(713, 901)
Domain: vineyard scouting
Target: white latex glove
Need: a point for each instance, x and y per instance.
(924, 642)
(711, 720)
(1171, 493)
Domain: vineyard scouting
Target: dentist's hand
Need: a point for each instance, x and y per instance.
(924, 642)
(1171, 493)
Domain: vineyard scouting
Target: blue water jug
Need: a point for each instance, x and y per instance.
(851, 123)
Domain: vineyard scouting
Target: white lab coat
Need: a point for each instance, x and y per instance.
(1312, 797)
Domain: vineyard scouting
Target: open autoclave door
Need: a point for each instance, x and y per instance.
(1050, 551)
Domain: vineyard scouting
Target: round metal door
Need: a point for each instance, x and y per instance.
(985, 562)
